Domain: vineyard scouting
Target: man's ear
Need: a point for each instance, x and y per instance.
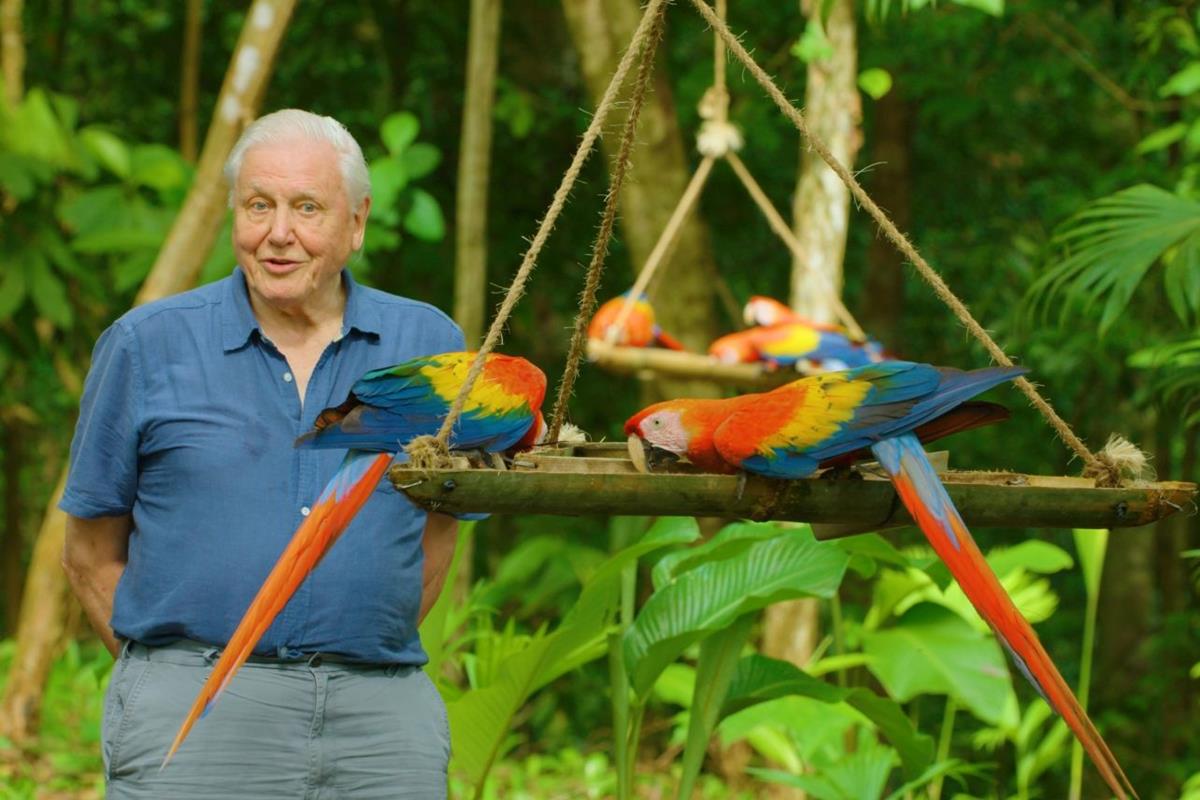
(360, 222)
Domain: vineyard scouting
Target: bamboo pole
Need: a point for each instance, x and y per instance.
(985, 499)
(650, 363)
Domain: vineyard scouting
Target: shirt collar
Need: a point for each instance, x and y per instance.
(239, 322)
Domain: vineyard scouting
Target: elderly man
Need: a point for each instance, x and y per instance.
(184, 488)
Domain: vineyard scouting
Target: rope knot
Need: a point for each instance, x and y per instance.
(1120, 461)
(428, 452)
(718, 137)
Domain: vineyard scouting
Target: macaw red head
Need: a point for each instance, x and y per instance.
(662, 427)
(762, 310)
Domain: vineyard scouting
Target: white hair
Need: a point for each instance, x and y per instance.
(292, 123)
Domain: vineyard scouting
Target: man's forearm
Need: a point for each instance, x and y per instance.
(441, 535)
(94, 556)
(95, 590)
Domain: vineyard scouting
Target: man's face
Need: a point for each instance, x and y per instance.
(293, 227)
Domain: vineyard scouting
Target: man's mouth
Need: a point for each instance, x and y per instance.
(278, 265)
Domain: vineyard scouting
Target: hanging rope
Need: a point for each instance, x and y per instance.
(784, 231)
(587, 302)
(428, 452)
(659, 254)
(1104, 471)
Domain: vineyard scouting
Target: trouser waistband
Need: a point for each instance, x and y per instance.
(191, 653)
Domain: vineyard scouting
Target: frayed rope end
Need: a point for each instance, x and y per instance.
(1121, 462)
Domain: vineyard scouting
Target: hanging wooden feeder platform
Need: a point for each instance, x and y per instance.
(648, 363)
(601, 479)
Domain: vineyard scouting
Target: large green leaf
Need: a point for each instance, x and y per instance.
(730, 540)
(931, 650)
(158, 167)
(107, 148)
(1110, 246)
(420, 160)
(399, 130)
(424, 218)
(715, 670)
(481, 718)
(712, 595)
(13, 287)
(759, 678)
(860, 775)
(1015, 567)
(47, 291)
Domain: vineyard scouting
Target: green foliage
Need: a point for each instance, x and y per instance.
(1111, 245)
(64, 760)
(480, 718)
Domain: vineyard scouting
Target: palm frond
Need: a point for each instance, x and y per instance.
(1109, 247)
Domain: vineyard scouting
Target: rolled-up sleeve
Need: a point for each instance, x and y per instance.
(104, 452)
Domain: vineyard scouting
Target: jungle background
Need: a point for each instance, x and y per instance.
(1042, 155)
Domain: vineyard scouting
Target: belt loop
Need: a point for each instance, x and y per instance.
(124, 651)
(210, 655)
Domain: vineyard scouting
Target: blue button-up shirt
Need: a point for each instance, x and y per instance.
(187, 423)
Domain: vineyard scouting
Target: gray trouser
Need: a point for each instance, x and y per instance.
(309, 729)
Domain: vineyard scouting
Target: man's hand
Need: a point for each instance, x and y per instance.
(94, 556)
(441, 535)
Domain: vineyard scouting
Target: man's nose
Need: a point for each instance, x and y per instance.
(281, 227)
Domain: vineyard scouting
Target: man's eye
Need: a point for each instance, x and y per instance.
(258, 205)
(308, 208)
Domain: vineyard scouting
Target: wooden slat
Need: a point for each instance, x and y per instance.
(984, 499)
(648, 363)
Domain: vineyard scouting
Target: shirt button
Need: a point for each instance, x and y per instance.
(287, 376)
(306, 511)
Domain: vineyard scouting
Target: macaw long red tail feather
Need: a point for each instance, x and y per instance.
(926, 499)
(344, 495)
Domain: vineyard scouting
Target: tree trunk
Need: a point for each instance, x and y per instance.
(175, 269)
(474, 170)
(12, 51)
(882, 303)
(189, 79)
(12, 540)
(820, 216)
(199, 221)
(43, 614)
(658, 173)
(821, 206)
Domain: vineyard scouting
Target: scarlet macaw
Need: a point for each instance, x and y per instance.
(791, 431)
(386, 409)
(788, 343)
(765, 311)
(639, 330)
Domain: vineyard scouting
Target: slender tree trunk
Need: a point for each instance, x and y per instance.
(12, 50)
(177, 267)
(189, 80)
(474, 170)
(474, 177)
(891, 185)
(12, 540)
(601, 29)
(820, 216)
(199, 221)
(39, 631)
(821, 206)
